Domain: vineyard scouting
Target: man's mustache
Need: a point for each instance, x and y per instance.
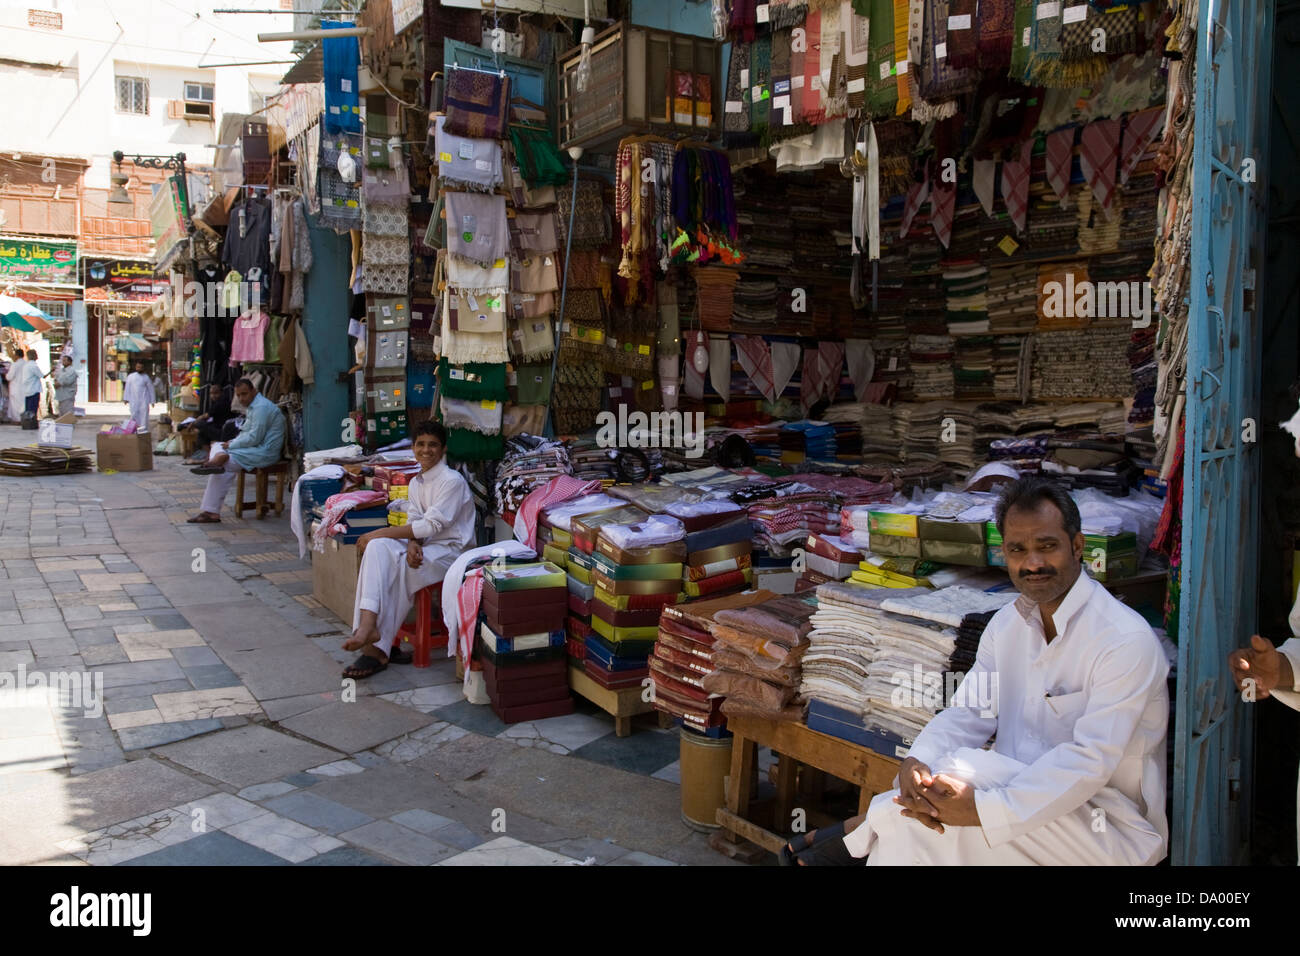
(1037, 574)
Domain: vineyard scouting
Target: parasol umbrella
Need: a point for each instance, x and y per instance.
(15, 313)
(132, 343)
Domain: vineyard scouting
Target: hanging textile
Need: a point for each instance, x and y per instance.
(963, 34)
(539, 161)
(720, 365)
(1022, 39)
(1060, 156)
(1140, 129)
(1015, 183)
(882, 78)
(340, 59)
(861, 362)
(938, 78)
(477, 103)
(982, 176)
(857, 52)
(996, 21)
(1098, 156)
(477, 230)
(943, 204)
(755, 358)
(785, 362)
(902, 58)
(735, 109)
(693, 378)
(916, 197)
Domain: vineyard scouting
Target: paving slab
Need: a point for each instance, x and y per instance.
(247, 755)
(399, 843)
(350, 727)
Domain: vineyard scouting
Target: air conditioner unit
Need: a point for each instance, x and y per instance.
(190, 110)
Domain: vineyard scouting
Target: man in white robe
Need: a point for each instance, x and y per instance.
(139, 395)
(1072, 684)
(397, 562)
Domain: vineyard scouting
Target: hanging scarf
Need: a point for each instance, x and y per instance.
(902, 55)
(477, 103)
(982, 176)
(814, 108)
(590, 224)
(939, 79)
(662, 223)
(963, 34)
(531, 339)
(340, 60)
(882, 79)
(1140, 129)
(1060, 156)
(483, 417)
(755, 358)
(469, 163)
(534, 275)
(477, 230)
(782, 108)
(783, 16)
(916, 196)
(540, 163)
(467, 312)
(533, 383)
(735, 110)
(460, 348)
(473, 381)
(760, 90)
(744, 21)
(1022, 39)
(535, 232)
(1015, 183)
(943, 203)
(1098, 156)
(996, 21)
(468, 277)
(857, 33)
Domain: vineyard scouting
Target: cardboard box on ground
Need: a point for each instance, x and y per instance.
(124, 452)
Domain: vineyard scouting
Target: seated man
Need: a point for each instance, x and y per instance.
(1074, 688)
(210, 425)
(259, 444)
(396, 562)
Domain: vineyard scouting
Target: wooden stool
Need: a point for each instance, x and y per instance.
(261, 480)
(429, 631)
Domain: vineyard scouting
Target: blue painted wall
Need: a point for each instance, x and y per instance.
(680, 16)
(325, 323)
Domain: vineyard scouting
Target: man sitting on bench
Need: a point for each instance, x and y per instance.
(210, 427)
(1071, 683)
(258, 445)
(397, 562)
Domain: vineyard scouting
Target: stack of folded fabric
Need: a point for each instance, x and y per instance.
(840, 649)
(756, 657)
(893, 360)
(637, 571)
(878, 441)
(719, 547)
(965, 287)
(528, 463)
(683, 657)
(930, 364)
(521, 641)
(968, 640)
(589, 460)
(1012, 362)
(957, 437)
(1052, 228)
(917, 429)
(1013, 297)
(716, 288)
(784, 521)
(807, 439)
(1082, 363)
(973, 368)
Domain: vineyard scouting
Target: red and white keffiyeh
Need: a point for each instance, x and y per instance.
(336, 506)
(558, 489)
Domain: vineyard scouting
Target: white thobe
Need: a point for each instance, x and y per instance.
(16, 397)
(1077, 772)
(440, 513)
(139, 395)
(1291, 696)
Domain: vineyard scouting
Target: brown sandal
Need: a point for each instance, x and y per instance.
(203, 518)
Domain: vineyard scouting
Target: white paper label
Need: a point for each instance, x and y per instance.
(1075, 14)
(1048, 10)
(901, 67)
(756, 94)
(960, 22)
(817, 82)
(734, 106)
(482, 165)
(884, 71)
(612, 342)
(893, 363)
(471, 300)
(386, 311)
(857, 85)
(345, 85)
(1027, 38)
(744, 77)
(761, 13)
(940, 51)
(796, 82)
(789, 116)
(781, 102)
(465, 151)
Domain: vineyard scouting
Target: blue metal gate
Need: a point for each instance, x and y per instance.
(1221, 470)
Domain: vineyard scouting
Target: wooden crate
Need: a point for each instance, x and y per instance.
(334, 578)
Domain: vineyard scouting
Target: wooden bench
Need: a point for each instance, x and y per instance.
(261, 482)
(622, 705)
(794, 744)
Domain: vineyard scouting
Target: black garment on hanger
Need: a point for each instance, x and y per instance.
(247, 247)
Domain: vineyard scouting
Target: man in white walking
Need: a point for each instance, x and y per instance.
(139, 395)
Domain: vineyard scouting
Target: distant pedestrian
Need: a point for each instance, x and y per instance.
(65, 385)
(15, 379)
(32, 384)
(139, 395)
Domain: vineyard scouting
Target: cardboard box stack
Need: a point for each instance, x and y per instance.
(827, 558)
(719, 543)
(637, 570)
(521, 641)
(394, 479)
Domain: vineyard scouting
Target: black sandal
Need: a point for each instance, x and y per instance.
(364, 666)
(399, 656)
(823, 847)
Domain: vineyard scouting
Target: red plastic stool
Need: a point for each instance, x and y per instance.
(429, 631)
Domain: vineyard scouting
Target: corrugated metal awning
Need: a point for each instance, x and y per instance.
(309, 69)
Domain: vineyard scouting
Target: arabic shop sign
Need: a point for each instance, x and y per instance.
(38, 261)
(119, 279)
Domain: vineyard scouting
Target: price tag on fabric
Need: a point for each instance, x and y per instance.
(386, 310)
(471, 300)
(539, 326)
(900, 67)
(597, 335)
(1027, 37)
(893, 363)
(884, 71)
(796, 83)
(859, 84)
(526, 297)
(780, 102)
(1008, 245)
(345, 85)
(961, 22)
(781, 86)
(488, 404)
(458, 374)
(646, 386)
(1047, 11)
(499, 264)
(444, 157)
(546, 261)
(756, 93)
(761, 13)
(627, 346)
(1075, 14)
(482, 317)
(941, 51)
(734, 106)
(643, 349)
(744, 77)
(466, 151)
(612, 343)
(482, 165)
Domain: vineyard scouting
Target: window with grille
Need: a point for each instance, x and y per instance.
(132, 94)
(200, 92)
(55, 310)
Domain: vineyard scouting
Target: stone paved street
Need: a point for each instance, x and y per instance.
(219, 736)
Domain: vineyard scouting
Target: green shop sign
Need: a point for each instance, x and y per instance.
(33, 260)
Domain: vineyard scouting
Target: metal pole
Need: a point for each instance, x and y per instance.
(315, 34)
